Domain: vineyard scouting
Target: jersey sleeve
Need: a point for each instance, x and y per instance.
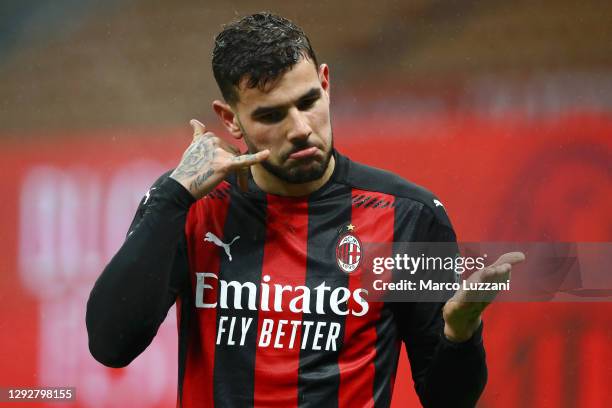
(444, 373)
(132, 296)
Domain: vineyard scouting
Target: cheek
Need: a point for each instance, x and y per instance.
(264, 136)
(319, 119)
(321, 115)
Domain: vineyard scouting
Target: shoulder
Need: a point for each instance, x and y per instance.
(406, 193)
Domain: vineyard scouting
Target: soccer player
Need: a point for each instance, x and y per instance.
(248, 246)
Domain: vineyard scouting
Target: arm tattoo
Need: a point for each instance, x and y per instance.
(196, 156)
(201, 179)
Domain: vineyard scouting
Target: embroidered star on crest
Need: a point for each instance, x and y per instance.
(350, 227)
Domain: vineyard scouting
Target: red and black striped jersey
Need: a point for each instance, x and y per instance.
(267, 318)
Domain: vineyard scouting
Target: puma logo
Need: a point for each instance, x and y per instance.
(148, 195)
(210, 237)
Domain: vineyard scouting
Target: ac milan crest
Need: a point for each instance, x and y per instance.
(348, 251)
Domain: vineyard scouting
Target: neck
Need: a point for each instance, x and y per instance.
(273, 185)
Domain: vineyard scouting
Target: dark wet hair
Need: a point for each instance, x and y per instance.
(260, 47)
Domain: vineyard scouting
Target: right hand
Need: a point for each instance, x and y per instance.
(462, 312)
(209, 159)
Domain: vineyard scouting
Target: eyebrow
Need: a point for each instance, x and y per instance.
(263, 110)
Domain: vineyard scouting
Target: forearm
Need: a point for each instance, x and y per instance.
(457, 373)
(131, 297)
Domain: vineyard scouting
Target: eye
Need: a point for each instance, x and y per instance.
(307, 103)
(272, 116)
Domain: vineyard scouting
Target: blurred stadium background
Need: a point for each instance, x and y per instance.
(502, 108)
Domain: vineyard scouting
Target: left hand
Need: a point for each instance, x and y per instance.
(462, 313)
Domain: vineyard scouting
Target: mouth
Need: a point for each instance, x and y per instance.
(304, 153)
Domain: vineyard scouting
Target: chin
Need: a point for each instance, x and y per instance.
(305, 176)
(300, 173)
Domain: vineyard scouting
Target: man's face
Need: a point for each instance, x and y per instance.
(291, 119)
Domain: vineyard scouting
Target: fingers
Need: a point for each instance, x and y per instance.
(234, 160)
(241, 165)
(497, 273)
(509, 258)
(247, 160)
(501, 268)
(198, 127)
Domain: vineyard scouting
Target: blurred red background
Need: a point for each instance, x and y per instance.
(500, 180)
(503, 109)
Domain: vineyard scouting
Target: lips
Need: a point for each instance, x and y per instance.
(304, 153)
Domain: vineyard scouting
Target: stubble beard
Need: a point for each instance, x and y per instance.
(295, 174)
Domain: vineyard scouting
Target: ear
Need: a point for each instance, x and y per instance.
(324, 77)
(227, 117)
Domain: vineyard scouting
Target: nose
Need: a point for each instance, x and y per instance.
(299, 129)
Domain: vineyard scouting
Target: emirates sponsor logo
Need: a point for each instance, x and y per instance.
(278, 298)
(278, 332)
